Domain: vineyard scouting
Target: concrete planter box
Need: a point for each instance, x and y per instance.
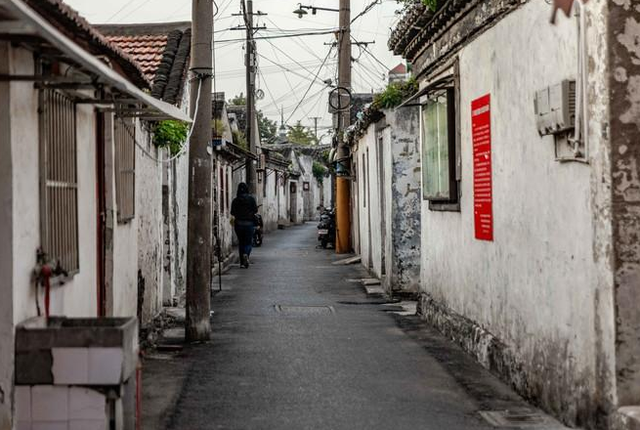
(76, 351)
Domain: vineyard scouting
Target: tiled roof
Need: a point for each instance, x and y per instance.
(400, 69)
(147, 50)
(161, 51)
(75, 27)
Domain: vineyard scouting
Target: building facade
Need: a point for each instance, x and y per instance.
(527, 209)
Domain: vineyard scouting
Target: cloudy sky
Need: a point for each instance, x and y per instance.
(287, 65)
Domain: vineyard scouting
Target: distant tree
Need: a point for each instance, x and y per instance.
(301, 135)
(268, 128)
(240, 100)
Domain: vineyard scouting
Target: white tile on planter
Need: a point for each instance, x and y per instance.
(49, 403)
(105, 365)
(49, 425)
(87, 404)
(87, 425)
(70, 366)
(23, 403)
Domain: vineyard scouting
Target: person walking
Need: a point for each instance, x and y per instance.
(244, 209)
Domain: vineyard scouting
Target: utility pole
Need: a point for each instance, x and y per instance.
(251, 63)
(315, 125)
(343, 183)
(198, 324)
(251, 87)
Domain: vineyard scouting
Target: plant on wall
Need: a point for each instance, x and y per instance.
(430, 4)
(218, 127)
(319, 171)
(395, 94)
(239, 139)
(170, 134)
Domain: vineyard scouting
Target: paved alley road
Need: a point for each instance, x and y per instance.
(274, 364)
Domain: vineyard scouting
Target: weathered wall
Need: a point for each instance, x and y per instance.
(368, 154)
(78, 297)
(535, 294)
(6, 246)
(150, 226)
(403, 200)
(624, 60)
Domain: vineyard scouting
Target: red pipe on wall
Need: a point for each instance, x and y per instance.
(45, 273)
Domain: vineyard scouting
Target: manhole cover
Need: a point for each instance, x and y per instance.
(521, 419)
(304, 310)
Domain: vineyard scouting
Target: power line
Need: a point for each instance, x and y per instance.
(308, 89)
(366, 9)
(280, 36)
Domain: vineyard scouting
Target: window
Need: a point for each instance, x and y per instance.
(439, 154)
(228, 188)
(59, 180)
(364, 181)
(124, 136)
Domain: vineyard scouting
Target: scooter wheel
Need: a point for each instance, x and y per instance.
(324, 243)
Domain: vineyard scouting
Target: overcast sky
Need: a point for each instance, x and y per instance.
(283, 89)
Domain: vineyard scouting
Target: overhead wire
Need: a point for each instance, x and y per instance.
(308, 89)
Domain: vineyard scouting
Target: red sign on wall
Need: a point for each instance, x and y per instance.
(482, 180)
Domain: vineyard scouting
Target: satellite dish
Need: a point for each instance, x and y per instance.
(259, 94)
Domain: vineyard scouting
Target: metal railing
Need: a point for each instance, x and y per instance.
(125, 163)
(59, 180)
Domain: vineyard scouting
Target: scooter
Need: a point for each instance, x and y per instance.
(258, 230)
(327, 227)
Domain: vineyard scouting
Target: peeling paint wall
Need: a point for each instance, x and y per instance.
(78, 297)
(388, 199)
(541, 289)
(402, 188)
(624, 60)
(6, 246)
(150, 226)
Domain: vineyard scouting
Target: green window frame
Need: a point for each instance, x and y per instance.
(439, 154)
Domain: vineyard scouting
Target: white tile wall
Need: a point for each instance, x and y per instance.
(87, 425)
(105, 365)
(23, 403)
(49, 403)
(87, 404)
(49, 425)
(23, 425)
(70, 366)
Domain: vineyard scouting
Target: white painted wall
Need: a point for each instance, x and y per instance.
(78, 297)
(6, 246)
(536, 286)
(401, 148)
(150, 224)
(370, 221)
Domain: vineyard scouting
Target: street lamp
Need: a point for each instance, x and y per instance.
(302, 12)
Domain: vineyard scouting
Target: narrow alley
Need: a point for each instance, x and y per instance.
(297, 345)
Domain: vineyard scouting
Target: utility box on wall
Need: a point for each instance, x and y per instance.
(555, 108)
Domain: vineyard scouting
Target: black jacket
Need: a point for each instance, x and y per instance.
(244, 207)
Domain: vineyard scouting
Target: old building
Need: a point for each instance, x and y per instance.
(386, 193)
(529, 184)
(162, 52)
(70, 113)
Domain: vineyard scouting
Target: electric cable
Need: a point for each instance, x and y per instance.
(366, 10)
(280, 36)
(308, 89)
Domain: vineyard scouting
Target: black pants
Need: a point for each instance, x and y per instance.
(244, 231)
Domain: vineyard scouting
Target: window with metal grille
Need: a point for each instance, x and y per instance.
(124, 135)
(59, 180)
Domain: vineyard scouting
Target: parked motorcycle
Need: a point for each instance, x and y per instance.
(327, 227)
(258, 230)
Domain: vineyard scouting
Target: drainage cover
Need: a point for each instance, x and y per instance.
(521, 419)
(304, 310)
